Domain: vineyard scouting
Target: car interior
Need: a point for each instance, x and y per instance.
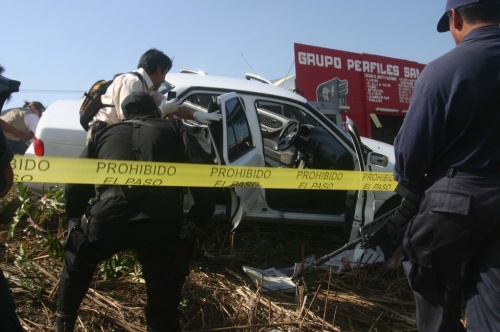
(293, 139)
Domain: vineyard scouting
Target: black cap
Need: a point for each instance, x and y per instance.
(443, 24)
(6, 84)
(139, 104)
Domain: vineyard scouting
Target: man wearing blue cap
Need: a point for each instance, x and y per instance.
(149, 219)
(447, 152)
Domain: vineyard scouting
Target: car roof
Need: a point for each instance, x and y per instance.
(185, 81)
(62, 112)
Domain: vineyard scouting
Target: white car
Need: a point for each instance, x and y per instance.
(263, 125)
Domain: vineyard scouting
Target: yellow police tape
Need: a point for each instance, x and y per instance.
(119, 172)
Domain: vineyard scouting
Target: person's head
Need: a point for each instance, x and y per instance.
(36, 107)
(157, 64)
(463, 16)
(139, 104)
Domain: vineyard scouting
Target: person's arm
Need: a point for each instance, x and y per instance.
(172, 107)
(16, 132)
(417, 143)
(187, 113)
(78, 195)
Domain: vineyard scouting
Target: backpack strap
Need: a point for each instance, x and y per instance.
(136, 124)
(135, 141)
(131, 72)
(140, 78)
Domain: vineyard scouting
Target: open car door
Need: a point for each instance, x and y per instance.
(236, 147)
(364, 201)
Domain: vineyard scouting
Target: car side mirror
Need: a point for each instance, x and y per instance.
(378, 159)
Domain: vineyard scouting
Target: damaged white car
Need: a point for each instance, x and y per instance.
(263, 125)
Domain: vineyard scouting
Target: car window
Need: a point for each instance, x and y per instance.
(202, 99)
(289, 111)
(239, 137)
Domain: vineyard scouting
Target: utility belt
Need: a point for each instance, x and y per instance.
(130, 192)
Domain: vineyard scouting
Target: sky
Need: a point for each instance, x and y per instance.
(59, 48)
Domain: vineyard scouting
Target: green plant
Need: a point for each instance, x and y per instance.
(43, 216)
(136, 274)
(119, 265)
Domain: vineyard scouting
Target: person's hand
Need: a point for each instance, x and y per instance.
(168, 106)
(206, 118)
(8, 175)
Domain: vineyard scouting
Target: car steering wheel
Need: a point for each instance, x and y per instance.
(288, 135)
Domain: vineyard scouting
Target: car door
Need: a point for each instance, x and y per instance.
(239, 148)
(363, 206)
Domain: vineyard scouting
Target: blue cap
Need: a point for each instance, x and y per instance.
(139, 104)
(443, 24)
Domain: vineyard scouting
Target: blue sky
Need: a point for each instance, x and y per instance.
(57, 48)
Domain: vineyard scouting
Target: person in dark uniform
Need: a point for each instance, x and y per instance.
(149, 219)
(447, 151)
(8, 317)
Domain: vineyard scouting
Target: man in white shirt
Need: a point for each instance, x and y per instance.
(153, 67)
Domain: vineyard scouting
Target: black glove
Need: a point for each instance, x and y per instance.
(379, 231)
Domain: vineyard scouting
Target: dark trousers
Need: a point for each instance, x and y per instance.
(8, 317)
(164, 268)
(451, 252)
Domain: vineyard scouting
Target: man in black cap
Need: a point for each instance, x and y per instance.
(447, 151)
(146, 218)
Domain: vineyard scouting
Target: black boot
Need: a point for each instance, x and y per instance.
(65, 323)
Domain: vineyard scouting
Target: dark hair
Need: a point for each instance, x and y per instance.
(152, 59)
(38, 105)
(484, 12)
(2, 69)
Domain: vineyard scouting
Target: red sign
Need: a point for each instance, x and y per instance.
(365, 83)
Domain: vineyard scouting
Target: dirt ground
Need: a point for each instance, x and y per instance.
(218, 295)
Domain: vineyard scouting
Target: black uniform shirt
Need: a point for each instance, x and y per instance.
(454, 116)
(164, 143)
(161, 143)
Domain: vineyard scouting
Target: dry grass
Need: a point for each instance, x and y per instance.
(218, 296)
